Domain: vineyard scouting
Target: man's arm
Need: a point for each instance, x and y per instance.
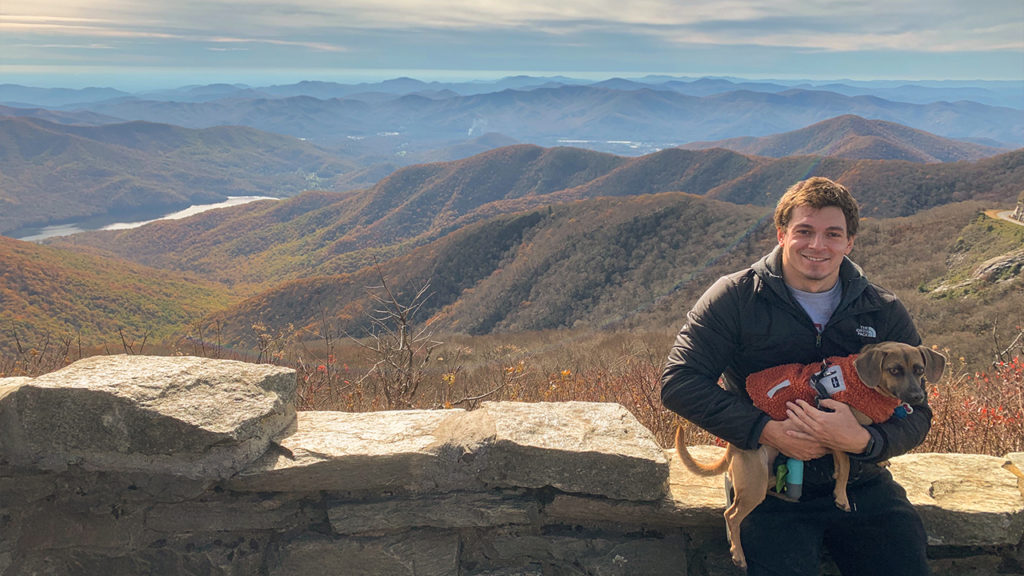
(703, 349)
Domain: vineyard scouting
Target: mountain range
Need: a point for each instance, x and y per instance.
(507, 235)
(856, 138)
(54, 173)
(587, 114)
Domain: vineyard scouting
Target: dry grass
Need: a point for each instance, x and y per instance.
(975, 411)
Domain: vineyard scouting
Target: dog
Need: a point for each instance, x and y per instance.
(890, 369)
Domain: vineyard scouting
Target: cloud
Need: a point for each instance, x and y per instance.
(925, 25)
(718, 36)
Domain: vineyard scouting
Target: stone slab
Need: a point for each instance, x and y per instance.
(577, 447)
(358, 453)
(963, 499)
(186, 416)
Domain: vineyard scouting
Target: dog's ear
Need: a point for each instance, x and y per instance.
(934, 363)
(869, 365)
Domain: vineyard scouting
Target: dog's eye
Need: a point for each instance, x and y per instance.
(896, 370)
(918, 370)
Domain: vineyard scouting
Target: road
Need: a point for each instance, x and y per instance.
(1003, 215)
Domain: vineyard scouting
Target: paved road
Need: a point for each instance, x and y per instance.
(1004, 215)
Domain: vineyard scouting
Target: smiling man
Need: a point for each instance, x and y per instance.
(803, 302)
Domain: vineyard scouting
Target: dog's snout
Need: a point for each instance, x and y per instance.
(915, 396)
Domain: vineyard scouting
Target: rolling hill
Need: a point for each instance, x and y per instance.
(856, 138)
(50, 173)
(639, 263)
(325, 233)
(48, 293)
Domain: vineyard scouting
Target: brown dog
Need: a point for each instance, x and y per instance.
(890, 368)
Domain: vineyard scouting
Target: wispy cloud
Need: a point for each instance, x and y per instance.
(730, 35)
(828, 25)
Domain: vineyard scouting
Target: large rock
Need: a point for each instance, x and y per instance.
(346, 452)
(577, 447)
(183, 416)
(964, 499)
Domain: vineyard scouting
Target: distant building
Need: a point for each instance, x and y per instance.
(1018, 214)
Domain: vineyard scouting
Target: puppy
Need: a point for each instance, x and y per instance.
(891, 370)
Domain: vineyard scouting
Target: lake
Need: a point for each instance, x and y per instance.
(31, 234)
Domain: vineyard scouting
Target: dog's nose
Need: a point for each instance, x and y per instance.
(915, 396)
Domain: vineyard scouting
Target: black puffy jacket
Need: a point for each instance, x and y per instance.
(748, 321)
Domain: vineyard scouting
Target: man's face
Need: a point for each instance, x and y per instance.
(813, 246)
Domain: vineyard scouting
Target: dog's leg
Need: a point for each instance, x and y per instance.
(842, 476)
(749, 471)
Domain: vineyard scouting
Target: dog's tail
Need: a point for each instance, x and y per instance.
(695, 467)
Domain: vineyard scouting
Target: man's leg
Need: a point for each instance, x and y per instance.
(782, 537)
(882, 535)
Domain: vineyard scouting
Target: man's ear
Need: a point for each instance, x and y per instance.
(934, 363)
(869, 366)
(780, 234)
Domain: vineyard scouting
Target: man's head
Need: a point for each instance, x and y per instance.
(818, 192)
(816, 221)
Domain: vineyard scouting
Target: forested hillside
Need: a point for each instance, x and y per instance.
(322, 233)
(48, 294)
(638, 263)
(56, 172)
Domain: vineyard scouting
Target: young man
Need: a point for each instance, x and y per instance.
(801, 303)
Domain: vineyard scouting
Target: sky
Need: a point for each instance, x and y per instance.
(148, 44)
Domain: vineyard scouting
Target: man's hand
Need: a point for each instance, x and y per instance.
(786, 437)
(837, 430)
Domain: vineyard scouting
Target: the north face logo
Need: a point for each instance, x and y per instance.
(866, 332)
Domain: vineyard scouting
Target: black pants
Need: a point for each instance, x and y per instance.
(883, 534)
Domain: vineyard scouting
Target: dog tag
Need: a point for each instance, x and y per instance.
(832, 380)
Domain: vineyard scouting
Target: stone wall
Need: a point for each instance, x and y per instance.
(123, 465)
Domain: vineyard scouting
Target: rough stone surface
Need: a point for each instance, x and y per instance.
(352, 453)
(453, 510)
(583, 447)
(963, 499)
(568, 551)
(573, 446)
(185, 416)
(508, 490)
(415, 553)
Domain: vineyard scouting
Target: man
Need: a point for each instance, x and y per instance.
(801, 303)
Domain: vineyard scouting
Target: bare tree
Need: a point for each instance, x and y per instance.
(401, 348)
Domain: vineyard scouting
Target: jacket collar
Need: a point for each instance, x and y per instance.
(769, 270)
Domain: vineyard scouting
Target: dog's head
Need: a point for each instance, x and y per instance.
(899, 370)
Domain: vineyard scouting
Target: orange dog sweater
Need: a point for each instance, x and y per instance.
(771, 388)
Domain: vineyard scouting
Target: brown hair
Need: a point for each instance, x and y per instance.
(818, 193)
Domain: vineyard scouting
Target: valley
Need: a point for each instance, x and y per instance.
(511, 233)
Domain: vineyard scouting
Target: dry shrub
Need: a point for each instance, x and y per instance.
(978, 412)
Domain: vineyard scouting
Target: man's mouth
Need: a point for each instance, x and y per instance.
(815, 259)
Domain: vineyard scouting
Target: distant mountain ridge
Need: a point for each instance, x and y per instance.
(993, 93)
(56, 172)
(544, 115)
(856, 138)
